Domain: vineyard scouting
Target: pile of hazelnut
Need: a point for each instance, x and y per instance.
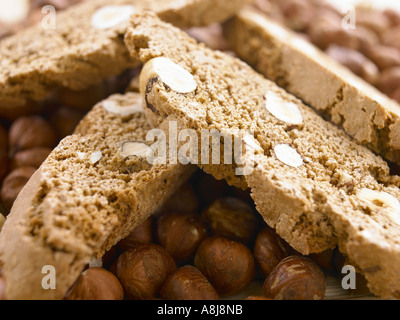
(206, 243)
(371, 50)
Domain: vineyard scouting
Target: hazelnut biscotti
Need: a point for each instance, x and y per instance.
(92, 191)
(366, 114)
(85, 45)
(310, 181)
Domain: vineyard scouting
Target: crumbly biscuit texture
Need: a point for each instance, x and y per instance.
(367, 115)
(311, 182)
(91, 192)
(81, 46)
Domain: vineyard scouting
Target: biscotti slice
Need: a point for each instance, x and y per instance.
(366, 114)
(311, 182)
(83, 45)
(91, 192)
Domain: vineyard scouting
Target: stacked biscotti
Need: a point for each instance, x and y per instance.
(315, 184)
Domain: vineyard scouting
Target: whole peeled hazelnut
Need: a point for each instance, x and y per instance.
(96, 284)
(389, 80)
(30, 132)
(188, 283)
(232, 218)
(13, 184)
(184, 200)
(142, 234)
(227, 264)
(180, 234)
(30, 158)
(295, 278)
(269, 250)
(143, 270)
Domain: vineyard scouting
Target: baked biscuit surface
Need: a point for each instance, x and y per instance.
(91, 192)
(310, 181)
(85, 45)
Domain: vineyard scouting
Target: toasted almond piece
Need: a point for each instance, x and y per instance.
(171, 74)
(381, 201)
(288, 155)
(113, 107)
(285, 111)
(110, 16)
(252, 143)
(81, 155)
(95, 157)
(134, 148)
(12, 12)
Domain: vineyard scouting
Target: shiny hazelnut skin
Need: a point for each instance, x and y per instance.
(185, 200)
(269, 250)
(30, 132)
(227, 264)
(30, 158)
(13, 184)
(180, 234)
(232, 218)
(188, 283)
(143, 269)
(257, 298)
(96, 284)
(295, 278)
(324, 259)
(142, 234)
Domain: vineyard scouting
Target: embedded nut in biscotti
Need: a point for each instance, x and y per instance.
(142, 234)
(188, 283)
(269, 250)
(143, 270)
(288, 155)
(180, 234)
(232, 218)
(295, 278)
(171, 74)
(135, 149)
(30, 158)
(285, 111)
(228, 265)
(96, 284)
(111, 16)
(30, 132)
(13, 184)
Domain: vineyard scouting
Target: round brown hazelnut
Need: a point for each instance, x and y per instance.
(269, 250)
(143, 270)
(30, 132)
(184, 200)
(227, 264)
(142, 234)
(210, 189)
(30, 158)
(13, 184)
(324, 259)
(295, 278)
(188, 283)
(64, 120)
(96, 284)
(232, 218)
(180, 234)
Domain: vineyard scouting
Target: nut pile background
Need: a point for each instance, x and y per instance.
(371, 50)
(205, 244)
(183, 246)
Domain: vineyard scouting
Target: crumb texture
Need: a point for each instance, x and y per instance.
(37, 60)
(341, 194)
(84, 198)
